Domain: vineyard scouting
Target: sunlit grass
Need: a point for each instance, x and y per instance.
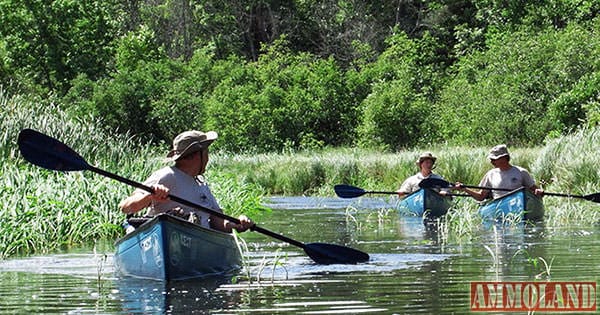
(44, 210)
(315, 173)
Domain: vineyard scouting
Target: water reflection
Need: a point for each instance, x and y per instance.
(86, 266)
(302, 202)
(182, 297)
(516, 249)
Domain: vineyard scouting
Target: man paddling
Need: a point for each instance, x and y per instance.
(185, 180)
(504, 176)
(425, 163)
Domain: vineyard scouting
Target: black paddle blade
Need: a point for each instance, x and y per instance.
(49, 153)
(593, 197)
(347, 191)
(327, 254)
(434, 183)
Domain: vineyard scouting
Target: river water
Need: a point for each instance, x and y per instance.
(412, 269)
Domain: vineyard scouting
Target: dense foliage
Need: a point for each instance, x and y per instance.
(273, 75)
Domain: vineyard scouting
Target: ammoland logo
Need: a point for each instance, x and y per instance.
(533, 296)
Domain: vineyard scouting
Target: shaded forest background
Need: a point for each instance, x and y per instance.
(303, 74)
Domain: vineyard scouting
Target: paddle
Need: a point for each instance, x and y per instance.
(440, 183)
(49, 153)
(347, 191)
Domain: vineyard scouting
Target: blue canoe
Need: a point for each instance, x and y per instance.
(425, 201)
(521, 203)
(170, 248)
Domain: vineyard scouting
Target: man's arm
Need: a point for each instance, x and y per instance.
(141, 199)
(227, 226)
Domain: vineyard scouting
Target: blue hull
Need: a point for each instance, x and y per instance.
(519, 203)
(169, 248)
(425, 201)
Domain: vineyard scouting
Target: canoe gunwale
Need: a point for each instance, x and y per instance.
(169, 218)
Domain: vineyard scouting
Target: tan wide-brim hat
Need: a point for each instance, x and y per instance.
(189, 142)
(426, 156)
(498, 152)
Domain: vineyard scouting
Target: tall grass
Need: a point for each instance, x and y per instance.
(571, 164)
(566, 165)
(315, 173)
(43, 210)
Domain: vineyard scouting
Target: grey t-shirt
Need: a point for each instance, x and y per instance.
(513, 178)
(182, 185)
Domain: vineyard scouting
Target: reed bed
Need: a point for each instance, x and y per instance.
(315, 173)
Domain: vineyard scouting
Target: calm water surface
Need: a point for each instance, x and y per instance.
(411, 270)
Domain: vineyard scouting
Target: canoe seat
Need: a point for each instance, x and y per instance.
(137, 221)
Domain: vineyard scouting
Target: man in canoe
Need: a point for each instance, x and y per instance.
(185, 180)
(425, 162)
(504, 175)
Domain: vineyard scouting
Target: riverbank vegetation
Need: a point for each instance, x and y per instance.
(43, 210)
(304, 95)
(563, 165)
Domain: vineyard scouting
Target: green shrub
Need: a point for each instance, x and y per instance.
(396, 112)
(284, 100)
(504, 93)
(392, 117)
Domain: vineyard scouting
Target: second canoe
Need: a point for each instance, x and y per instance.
(425, 201)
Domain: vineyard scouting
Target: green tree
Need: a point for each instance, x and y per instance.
(517, 89)
(54, 41)
(404, 81)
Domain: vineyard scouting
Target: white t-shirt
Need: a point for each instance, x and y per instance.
(411, 184)
(184, 186)
(513, 178)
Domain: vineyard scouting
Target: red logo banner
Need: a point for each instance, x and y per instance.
(533, 296)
